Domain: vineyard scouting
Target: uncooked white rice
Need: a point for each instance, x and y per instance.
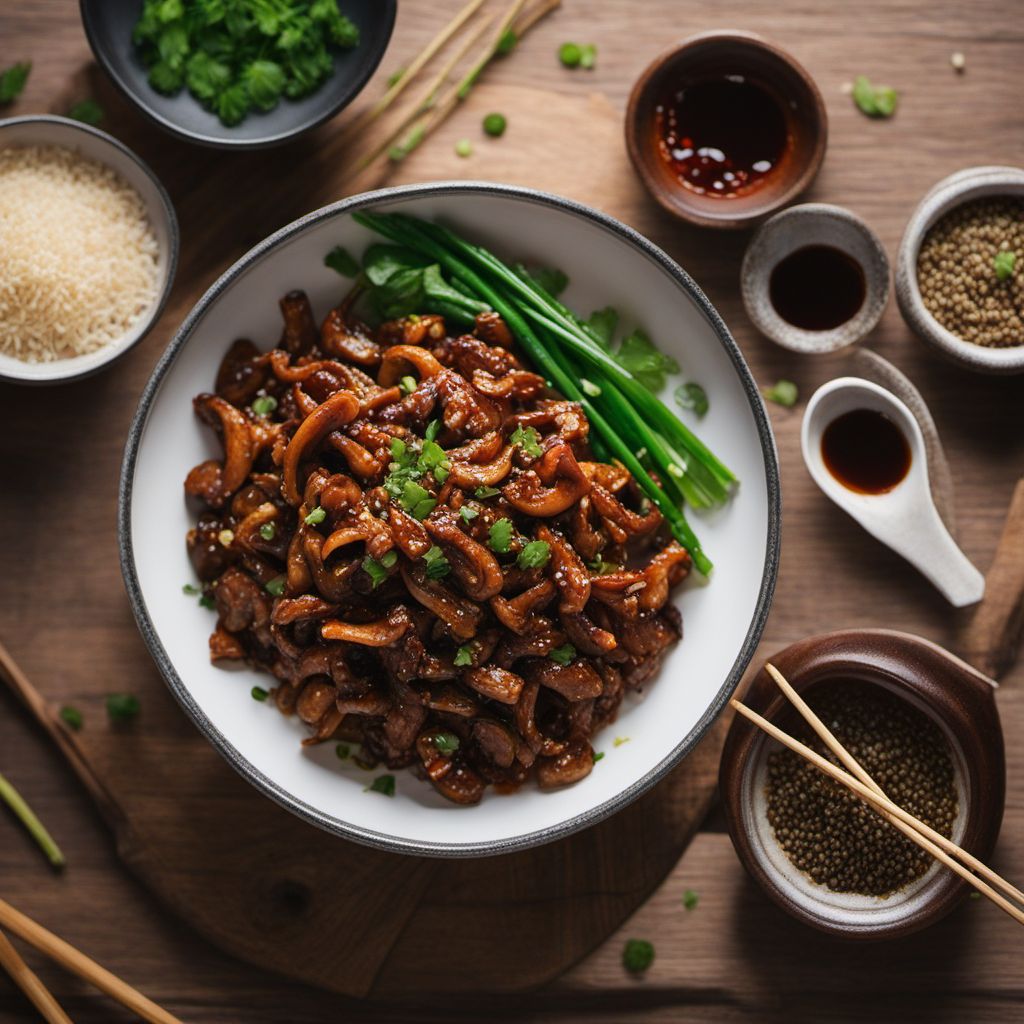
(78, 256)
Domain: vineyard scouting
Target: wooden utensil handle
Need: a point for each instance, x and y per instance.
(25, 978)
(992, 636)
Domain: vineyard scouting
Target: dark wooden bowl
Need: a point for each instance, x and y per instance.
(714, 54)
(957, 697)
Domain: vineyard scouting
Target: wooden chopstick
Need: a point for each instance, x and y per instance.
(26, 979)
(403, 80)
(78, 963)
(855, 766)
(882, 804)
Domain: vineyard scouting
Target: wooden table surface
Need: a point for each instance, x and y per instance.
(735, 957)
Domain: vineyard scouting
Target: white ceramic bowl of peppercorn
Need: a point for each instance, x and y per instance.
(923, 723)
(960, 269)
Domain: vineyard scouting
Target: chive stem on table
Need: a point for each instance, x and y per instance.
(36, 829)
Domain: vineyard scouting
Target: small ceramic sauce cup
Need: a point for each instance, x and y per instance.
(719, 54)
(957, 698)
(814, 224)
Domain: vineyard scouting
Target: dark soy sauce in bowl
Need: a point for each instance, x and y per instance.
(817, 288)
(721, 136)
(865, 451)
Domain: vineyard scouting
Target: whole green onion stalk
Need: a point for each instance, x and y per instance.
(35, 827)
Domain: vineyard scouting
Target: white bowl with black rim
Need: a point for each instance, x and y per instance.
(62, 132)
(608, 264)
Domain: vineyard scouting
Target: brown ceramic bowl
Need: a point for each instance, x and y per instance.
(712, 55)
(959, 699)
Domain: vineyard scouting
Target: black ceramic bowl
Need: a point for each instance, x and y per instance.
(108, 27)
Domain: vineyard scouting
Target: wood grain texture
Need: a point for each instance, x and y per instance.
(735, 957)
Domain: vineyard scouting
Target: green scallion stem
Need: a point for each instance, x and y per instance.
(35, 827)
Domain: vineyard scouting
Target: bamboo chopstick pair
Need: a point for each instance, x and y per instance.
(70, 958)
(861, 783)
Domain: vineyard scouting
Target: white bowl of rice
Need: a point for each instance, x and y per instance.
(88, 249)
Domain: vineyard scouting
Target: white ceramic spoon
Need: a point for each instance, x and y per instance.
(905, 517)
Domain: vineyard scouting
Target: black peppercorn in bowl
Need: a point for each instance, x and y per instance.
(966, 307)
(924, 724)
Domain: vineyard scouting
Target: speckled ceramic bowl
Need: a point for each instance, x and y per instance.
(797, 228)
(961, 187)
(961, 702)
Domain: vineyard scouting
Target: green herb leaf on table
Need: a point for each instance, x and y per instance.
(384, 784)
(342, 261)
(464, 148)
(644, 361)
(637, 955)
(874, 101)
(782, 392)
(588, 56)
(12, 81)
(570, 54)
(71, 717)
(122, 707)
(1004, 261)
(690, 899)
(692, 396)
(500, 536)
(87, 111)
(259, 694)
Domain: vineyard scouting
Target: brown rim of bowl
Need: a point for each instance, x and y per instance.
(742, 211)
(966, 710)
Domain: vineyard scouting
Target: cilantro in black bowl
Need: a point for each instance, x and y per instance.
(244, 74)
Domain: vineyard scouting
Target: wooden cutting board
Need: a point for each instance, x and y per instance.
(251, 877)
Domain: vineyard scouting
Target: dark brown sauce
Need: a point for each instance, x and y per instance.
(865, 451)
(817, 288)
(721, 136)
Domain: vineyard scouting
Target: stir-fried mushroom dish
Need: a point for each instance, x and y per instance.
(408, 531)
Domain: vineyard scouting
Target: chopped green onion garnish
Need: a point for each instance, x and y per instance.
(534, 555)
(463, 148)
(690, 899)
(619, 740)
(389, 558)
(598, 755)
(464, 655)
(637, 955)
(495, 124)
(36, 829)
(267, 531)
(190, 589)
(344, 751)
(563, 655)
(408, 385)
(377, 572)
(71, 717)
(588, 56)
(276, 586)
(316, 517)
(589, 387)
(483, 492)
(570, 54)
(226, 538)
(264, 405)
(468, 513)
(258, 693)
(437, 565)
(500, 536)
(784, 393)
(433, 429)
(382, 784)
(206, 601)
(875, 101)
(122, 707)
(1004, 262)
